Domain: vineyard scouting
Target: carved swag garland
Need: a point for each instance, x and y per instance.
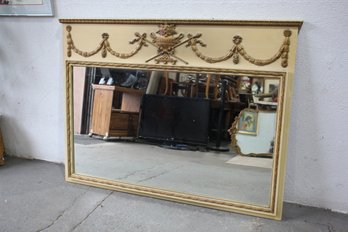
(165, 40)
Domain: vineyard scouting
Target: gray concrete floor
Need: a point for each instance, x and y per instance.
(204, 173)
(35, 197)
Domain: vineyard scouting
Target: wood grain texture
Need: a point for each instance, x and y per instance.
(131, 102)
(102, 106)
(107, 121)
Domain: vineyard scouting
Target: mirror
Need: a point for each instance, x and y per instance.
(169, 130)
(167, 121)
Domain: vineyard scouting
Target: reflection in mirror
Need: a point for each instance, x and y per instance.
(253, 131)
(169, 130)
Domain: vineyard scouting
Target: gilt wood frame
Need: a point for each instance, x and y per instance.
(274, 209)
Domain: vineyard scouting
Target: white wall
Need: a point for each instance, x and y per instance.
(31, 83)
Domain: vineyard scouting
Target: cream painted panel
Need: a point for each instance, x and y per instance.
(260, 43)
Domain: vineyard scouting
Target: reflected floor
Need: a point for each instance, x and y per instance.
(195, 172)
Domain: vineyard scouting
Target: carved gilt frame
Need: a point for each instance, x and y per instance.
(233, 131)
(75, 56)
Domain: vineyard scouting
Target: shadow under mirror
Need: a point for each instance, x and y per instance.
(211, 135)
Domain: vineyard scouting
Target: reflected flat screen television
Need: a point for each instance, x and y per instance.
(174, 120)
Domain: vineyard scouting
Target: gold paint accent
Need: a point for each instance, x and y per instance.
(105, 47)
(221, 204)
(70, 164)
(186, 69)
(277, 141)
(165, 42)
(268, 23)
(238, 49)
(160, 193)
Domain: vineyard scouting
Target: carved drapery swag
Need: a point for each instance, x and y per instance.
(166, 41)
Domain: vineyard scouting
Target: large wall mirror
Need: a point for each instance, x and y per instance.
(181, 110)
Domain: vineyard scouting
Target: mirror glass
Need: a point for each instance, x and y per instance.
(206, 134)
(253, 131)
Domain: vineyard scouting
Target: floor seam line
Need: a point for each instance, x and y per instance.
(63, 212)
(84, 219)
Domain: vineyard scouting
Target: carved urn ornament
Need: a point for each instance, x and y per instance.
(165, 41)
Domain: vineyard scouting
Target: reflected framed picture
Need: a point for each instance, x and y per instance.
(26, 8)
(244, 85)
(257, 86)
(271, 87)
(248, 122)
